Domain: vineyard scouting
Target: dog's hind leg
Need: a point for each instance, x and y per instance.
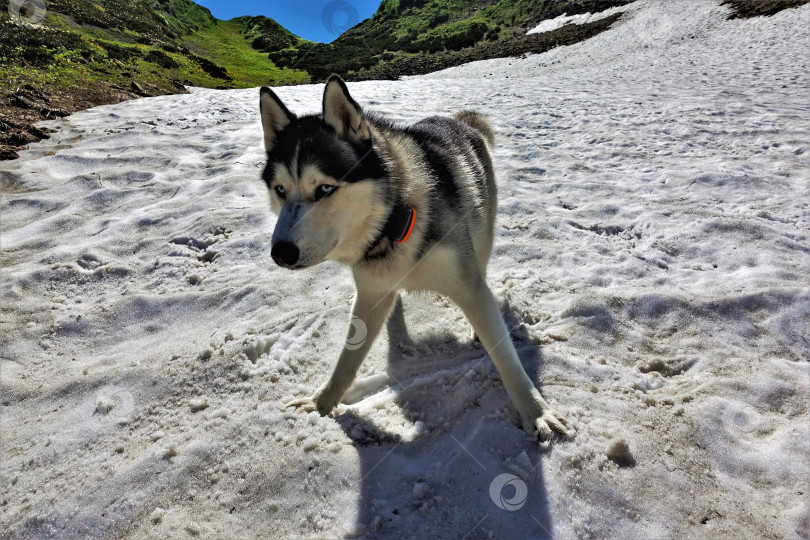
(481, 308)
(482, 244)
(397, 330)
(369, 312)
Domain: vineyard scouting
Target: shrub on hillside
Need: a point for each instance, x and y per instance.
(156, 56)
(452, 37)
(119, 52)
(37, 46)
(269, 43)
(209, 67)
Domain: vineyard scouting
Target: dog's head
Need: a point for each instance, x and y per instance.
(324, 176)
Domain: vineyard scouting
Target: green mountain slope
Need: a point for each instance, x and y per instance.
(86, 53)
(157, 41)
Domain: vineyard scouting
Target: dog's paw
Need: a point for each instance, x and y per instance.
(548, 423)
(306, 404)
(311, 403)
(541, 421)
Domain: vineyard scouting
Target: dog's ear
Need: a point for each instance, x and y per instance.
(343, 113)
(275, 116)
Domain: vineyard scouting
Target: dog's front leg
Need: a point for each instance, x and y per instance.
(481, 308)
(369, 313)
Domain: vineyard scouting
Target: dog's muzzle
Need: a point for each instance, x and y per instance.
(285, 254)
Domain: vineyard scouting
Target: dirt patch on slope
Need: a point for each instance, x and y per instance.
(745, 9)
(23, 107)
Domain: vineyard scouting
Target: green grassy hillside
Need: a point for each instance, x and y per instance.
(155, 42)
(86, 53)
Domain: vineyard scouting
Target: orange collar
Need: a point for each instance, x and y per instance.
(402, 220)
(397, 228)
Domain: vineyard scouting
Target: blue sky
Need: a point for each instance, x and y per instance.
(316, 20)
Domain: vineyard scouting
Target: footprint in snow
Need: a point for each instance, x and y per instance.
(89, 262)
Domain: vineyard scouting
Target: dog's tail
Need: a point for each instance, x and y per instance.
(478, 122)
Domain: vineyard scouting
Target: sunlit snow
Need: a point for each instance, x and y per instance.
(651, 257)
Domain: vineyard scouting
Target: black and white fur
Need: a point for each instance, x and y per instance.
(335, 180)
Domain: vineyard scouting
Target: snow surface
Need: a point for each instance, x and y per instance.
(651, 256)
(585, 18)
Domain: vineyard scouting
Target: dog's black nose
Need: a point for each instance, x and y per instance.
(284, 253)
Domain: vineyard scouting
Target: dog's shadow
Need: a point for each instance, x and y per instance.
(436, 470)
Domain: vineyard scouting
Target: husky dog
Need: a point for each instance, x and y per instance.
(407, 208)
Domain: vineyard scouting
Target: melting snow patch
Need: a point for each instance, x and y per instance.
(585, 18)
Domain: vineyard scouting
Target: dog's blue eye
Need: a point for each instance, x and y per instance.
(324, 190)
(281, 191)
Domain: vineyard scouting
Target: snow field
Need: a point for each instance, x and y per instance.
(651, 258)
